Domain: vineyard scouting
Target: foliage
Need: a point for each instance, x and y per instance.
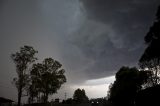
(148, 96)
(128, 82)
(68, 101)
(79, 96)
(151, 56)
(41, 80)
(22, 60)
(47, 77)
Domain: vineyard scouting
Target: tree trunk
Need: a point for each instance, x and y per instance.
(20, 90)
(45, 97)
(19, 97)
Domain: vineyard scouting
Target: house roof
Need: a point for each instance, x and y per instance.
(4, 100)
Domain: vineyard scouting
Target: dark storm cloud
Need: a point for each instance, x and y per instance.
(112, 34)
(128, 18)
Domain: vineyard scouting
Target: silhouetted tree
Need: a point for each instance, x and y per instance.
(146, 76)
(148, 96)
(33, 92)
(79, 96)
(47, 77)
(151, 57)
(68, 101)
(35, 84)
(22, 60)
(128, 82)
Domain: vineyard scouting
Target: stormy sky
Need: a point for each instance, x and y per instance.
(91, 38)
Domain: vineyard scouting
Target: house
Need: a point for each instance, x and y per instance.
(5, 102)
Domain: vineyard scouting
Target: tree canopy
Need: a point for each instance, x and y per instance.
(22, 60)
(39, 80)
(128, 82)
(79, 96)
(151, 56)
(47, 77)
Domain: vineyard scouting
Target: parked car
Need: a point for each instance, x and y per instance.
(95, 103)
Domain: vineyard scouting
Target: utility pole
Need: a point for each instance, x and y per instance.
(65, 95)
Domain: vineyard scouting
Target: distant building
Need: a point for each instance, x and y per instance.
(5, 102)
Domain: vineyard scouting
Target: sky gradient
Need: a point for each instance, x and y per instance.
(91, 38)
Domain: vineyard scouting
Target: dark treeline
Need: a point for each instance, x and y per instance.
(138, 87)
(79, 97)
